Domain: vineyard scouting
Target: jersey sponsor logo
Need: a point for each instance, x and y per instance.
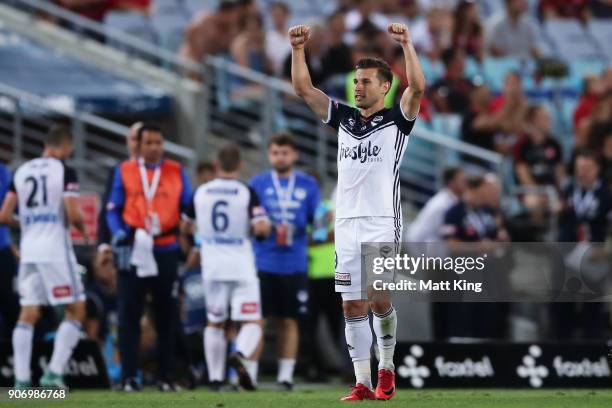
(248, 308)
(377, 119)
(61, 291)
(363, 152)
(343, 279)
(47, 218)
(226, 191)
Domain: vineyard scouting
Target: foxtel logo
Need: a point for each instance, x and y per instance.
(585, 368)
(466, 368)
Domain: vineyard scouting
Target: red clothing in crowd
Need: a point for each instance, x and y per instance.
(96, 11)
(584, 108)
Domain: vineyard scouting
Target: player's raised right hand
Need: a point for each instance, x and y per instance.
(298, 35)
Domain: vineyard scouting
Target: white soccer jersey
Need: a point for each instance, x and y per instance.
(41, 185)
(369, 155)
(224, 211)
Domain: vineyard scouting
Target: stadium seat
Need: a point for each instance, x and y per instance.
(196, 6)
(130, 22)
(571, 40)
(448, 125)
(432, 70)
(169, 25)
(601, 31)
(495, 70)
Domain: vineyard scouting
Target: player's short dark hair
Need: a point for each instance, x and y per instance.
(475, 181)
(588, 154)
(58, 135)
(229, 157)
(383, 70)
(147, 127)
(449, 174)
(227, 5)
(205, 166)
(282, 139)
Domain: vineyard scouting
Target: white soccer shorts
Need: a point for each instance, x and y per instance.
(49, 283)
(350, 233)
(242, 297)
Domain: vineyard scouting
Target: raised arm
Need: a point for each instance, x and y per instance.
(300, 77)
(411, 98)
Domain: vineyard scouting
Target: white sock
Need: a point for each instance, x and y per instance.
(359, 341)
(251, 367)
(385, 328)
(22, 351)
(285, 370)
(66, 338)
(215, 348)
(248, 339)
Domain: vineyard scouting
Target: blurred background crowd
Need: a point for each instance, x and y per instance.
(526, 80)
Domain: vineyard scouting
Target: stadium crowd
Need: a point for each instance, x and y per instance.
(508, 121)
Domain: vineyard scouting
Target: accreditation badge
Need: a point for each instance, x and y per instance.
(284, 234)
(152, 224)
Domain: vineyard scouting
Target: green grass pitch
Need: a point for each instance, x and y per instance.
(328, 397)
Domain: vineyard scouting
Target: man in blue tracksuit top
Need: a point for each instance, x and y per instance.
(290, 199)
(9, 301)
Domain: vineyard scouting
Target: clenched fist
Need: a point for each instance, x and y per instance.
(298, 36)
(399, 32)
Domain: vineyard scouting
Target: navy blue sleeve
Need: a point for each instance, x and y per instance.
(187, 192)
(403, 123)
(452, 224)
(336, 112)
(6, 182)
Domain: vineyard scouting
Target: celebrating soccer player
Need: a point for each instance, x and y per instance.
(371, 143)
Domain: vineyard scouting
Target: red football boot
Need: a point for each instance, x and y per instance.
(385, 389)
(359, 393)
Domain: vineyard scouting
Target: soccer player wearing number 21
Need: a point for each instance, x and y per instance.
(371, 144)
(46, 191)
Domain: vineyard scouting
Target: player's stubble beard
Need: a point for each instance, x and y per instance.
(283, 169)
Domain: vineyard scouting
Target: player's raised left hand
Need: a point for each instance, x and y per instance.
(399, 32)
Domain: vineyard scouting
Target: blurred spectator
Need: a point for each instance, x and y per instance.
(511, 33)
(606, 166)
(9, 301)
(427, 225)
(538, 156)
(593, 128)
(442, 4)
(364, 15)
(433, 34)
(96, 9)
(211, 33)
(591, 93)
(450, 94)
(277, 43)
(467, 30)
(555, 9)
(337, 58)
(601, 8)
(249, 47)
(314, 56)
(584, 217)
(206, 172)
(101, 323)
(473, 220)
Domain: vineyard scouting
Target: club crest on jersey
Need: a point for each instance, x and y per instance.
(363, 152)
(351, 123)
(300, 193)
(377, 119)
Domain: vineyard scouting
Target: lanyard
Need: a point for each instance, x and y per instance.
(283, 195)
(149, 190)
(583, 204)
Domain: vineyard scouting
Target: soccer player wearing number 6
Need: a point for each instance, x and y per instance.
(371, 144)
(227, 213)
(46, 191)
